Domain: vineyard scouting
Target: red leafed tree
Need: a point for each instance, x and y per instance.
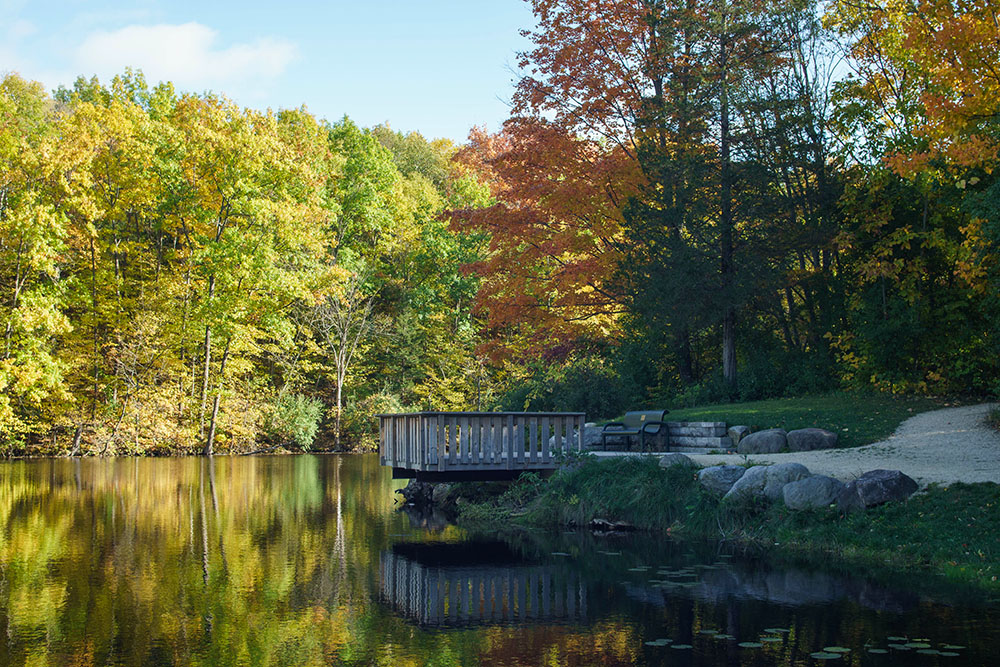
(552, 231)
(561, 170)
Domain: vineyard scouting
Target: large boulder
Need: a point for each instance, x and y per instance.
(719, 479)
(591, 437)
(766, 481)
(737, 433)
(750, 484)
(675, 459)
(771, 441)
(808, 439)
(875, 487)
(782, 474)
(811, 492)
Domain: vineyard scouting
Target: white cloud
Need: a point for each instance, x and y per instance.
(187, 54)
(20, 29)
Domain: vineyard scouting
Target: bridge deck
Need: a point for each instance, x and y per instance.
(476, 445)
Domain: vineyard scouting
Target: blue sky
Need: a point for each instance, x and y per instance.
(434, 66)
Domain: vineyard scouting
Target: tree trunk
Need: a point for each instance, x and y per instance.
(336, 434)
(75, 448)
(207, 348)
(209, 447)
(685, 367)
(726, 227)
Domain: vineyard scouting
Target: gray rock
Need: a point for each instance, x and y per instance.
(591, 437)
(749, 485)
(737, 433)
(781, 474)
(808, 439)
(719, 479)
(875, 487)
(766, 481)
(811, 492)
(440, 494)
(675, 459)
(771, 441)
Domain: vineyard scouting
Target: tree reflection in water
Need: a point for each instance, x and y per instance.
(304, 561)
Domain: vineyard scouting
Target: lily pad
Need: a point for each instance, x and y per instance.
(823, 655)
(917, 645)
(681, 646)
(900, 647)
(950, 654)
(952, 647)
(929, 651)
(898, 639)
(559, 553)
(709, 632)
(836, 649)
(774, 630)
(749, 644)
(878, 651)
(724, 636)
(772, 639)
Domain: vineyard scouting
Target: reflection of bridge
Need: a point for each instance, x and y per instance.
(445, 446)
(480, 583)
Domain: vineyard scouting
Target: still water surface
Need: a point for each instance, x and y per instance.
(304, 561)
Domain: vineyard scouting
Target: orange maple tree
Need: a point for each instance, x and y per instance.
(560, 171)
(551, 233)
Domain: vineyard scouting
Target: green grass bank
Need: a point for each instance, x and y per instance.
(952, 532)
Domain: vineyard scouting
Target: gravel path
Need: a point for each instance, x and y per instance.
(943, 446)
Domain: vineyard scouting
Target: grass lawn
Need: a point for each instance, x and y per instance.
(953, 531)
(859, 418)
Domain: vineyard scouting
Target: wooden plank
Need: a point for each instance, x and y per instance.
(463, 434)
(456, 455)
(545, 430)
(509, 428)
(546, 447)
(532, 432)
(474, 443)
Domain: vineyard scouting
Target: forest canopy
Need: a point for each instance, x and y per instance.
(691, 201)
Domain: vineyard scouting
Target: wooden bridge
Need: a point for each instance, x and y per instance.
(432, 591)
(446, 446)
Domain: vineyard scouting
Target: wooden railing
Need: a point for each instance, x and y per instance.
(454, 441)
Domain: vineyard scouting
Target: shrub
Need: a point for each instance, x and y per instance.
(294, 419)
(358, 423)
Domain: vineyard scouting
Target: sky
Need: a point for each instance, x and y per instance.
(438, 67)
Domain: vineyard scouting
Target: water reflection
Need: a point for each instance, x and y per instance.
(304, 561)
(477, 582)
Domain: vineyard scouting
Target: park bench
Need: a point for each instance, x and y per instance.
(641, 424)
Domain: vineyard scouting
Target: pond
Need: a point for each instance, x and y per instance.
(304, 560)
